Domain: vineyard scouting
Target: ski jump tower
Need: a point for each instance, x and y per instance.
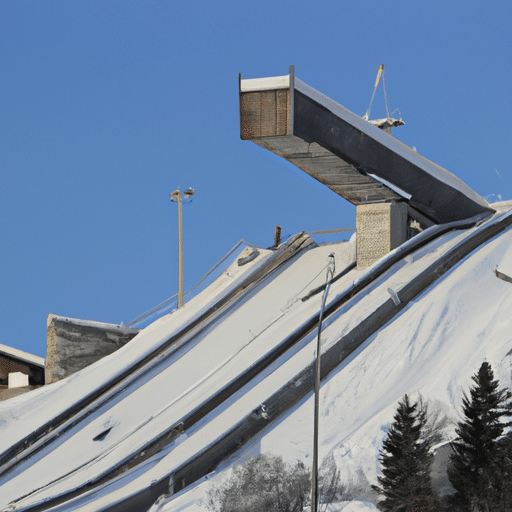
(396, 191)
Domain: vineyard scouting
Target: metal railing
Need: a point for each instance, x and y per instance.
(172, 302)
(214, 272)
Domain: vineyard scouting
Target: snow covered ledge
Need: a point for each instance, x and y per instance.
(73, 344)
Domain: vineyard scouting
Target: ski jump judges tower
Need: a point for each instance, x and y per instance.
(396, 191)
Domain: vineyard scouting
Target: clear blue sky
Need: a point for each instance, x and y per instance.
(107, 106)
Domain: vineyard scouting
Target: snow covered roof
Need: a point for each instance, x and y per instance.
(20, 355)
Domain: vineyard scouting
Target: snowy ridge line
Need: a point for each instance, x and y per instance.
(66, 419)
(22, 355)
(277, 404)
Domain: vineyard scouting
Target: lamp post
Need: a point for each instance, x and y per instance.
(314, 471)
(176, 197)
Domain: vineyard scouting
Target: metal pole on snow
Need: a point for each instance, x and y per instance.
(314, 471)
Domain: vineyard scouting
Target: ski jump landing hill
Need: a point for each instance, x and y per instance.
(221, 377)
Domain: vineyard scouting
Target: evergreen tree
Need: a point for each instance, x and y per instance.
(503, 480)
(406, 462)
(478, 463)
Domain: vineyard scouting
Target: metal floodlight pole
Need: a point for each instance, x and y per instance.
(314, 470)
(176, 197)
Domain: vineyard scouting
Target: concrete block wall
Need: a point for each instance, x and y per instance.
(73, 344)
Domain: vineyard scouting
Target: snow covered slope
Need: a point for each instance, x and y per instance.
(433, 347)
(192, 387)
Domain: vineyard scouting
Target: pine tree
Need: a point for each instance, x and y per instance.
(406, 461)
(478, 463)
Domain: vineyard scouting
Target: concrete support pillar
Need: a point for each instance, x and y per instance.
(380, 228)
